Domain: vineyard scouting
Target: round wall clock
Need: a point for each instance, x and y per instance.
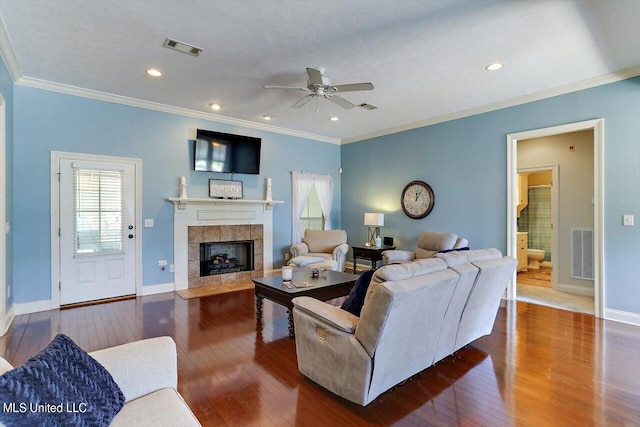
(417, 199)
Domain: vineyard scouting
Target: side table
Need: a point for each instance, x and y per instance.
(370, 253)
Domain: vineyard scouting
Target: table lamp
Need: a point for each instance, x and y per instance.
(374, 221)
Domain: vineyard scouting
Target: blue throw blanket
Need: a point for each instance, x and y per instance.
(304, 260)
(353, 304)
(60, 386)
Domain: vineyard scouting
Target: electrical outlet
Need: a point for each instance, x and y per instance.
(286, 256)
(172, 268)
(148, 222)
(627, 220)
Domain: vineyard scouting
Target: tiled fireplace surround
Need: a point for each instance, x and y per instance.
(212, 220)
(223, 233)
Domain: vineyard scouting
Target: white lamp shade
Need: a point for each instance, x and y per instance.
(374, 219)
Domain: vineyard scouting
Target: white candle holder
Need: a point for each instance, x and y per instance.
(268, 196)
(182, 188)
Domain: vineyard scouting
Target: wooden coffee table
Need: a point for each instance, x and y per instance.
(334, 284)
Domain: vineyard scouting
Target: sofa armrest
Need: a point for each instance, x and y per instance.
(334, 316)
(392, 256)
(141, 367)
(299, 249)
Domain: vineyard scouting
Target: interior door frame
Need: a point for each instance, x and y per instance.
(5, 319)
(597, 125)
(56, 156)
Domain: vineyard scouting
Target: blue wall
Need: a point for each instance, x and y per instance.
(46, 121)
(6, 88)
(465, 162)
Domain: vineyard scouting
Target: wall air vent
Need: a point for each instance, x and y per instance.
(366, 106)
(182, 47)
(582, 253)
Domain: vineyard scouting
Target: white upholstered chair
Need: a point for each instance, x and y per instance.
(330, 245)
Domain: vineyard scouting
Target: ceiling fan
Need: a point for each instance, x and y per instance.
(320, 86)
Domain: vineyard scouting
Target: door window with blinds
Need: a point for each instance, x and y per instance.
(98, 206)
(312, 217)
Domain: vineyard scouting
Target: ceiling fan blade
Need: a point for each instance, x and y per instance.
(286, 87)
(353, 87)
(303, 101)
(340, 101)
(315, 76)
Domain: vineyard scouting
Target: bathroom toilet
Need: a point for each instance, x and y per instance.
(534, 256)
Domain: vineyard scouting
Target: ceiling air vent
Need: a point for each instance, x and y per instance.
(366, 106)
(182, 47)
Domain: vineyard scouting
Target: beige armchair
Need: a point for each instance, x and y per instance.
(330, 245)
(429, 243)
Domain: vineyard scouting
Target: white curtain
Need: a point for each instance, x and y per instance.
(324, 187)
(301, 183)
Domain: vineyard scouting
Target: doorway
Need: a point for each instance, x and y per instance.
(95, 218)
(537, 220)
(596, 126)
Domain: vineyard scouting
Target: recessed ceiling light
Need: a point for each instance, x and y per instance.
(215, 106)
(334, 119)
(267, 117)
(153, 72)
(493, 67)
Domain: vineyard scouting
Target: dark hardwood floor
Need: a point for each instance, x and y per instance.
(540, 366)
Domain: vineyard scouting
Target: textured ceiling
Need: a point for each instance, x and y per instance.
(426, 59)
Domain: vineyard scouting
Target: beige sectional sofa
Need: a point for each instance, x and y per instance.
(429, 243)
(414, 314)
(147, 373)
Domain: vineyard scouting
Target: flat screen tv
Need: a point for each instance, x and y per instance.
(224, 152)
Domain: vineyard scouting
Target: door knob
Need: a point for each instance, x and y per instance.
(131, 236)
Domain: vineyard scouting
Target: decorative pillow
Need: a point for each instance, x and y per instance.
(353, 304)
(60, 386)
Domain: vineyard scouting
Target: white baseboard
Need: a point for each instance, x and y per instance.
(575, 290)
(158, 289)
(32, 307)
(10, 315)
(622, 316)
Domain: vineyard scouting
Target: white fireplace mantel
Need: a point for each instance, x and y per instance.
(190, 212)
(181, 203)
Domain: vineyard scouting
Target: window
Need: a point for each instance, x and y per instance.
(312, 217)
(98, 206)
(311, 199)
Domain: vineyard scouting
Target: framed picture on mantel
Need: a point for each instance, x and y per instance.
(225, 189)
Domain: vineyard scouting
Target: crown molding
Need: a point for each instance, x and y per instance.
(139, 103)
(537, 96)
(7, 53)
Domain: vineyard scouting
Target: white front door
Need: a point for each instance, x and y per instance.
(97, 230)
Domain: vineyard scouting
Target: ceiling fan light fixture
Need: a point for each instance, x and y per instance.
(154, 72)
(215, 106)
(494, 67)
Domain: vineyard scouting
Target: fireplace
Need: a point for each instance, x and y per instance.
(226, 257)
(199, 221)
(224, 253)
